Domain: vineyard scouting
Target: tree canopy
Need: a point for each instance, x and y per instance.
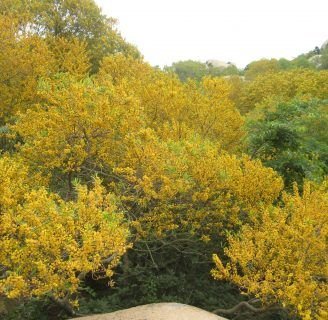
(119, 181)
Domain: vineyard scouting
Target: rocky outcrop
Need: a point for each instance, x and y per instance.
(157, 311)
(218, 64)
(316, 60)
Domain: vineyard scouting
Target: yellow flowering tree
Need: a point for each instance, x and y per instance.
(176, 110)
(79, 19)
(212, 113)
(48, 246)
(283, 86)
(190, 185)
(23, 59)
(69, 56)
(164, 148)
(282, 257)
(78, 127)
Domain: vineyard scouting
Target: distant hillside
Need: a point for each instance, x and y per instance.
(191, 69)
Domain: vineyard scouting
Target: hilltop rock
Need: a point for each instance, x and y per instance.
(218, 64)
(324, 45)
(157, 311)
(316, 60)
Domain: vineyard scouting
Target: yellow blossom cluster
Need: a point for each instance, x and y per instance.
(282, 256)
(189, 184)
(169, 157)
(283, 86)
(47, 244)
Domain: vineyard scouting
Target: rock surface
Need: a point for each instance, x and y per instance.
(324, 45)
(218, 64)
(157, 311)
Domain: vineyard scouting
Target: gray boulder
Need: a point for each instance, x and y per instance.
(157, 311)
(218, 64)
(324, 45)
(316, 60)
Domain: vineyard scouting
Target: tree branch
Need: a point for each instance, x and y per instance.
(106, 261)
(109, 259)
(65, 305)
(245, 306)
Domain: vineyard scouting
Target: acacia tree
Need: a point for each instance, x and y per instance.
(23, 59)
(142, 131)
(212, 113)
(281, 257)
(77, 128)
(48, 246)
(26, 58)
(71, 19)
(189, 186)
(283, 86)
(176, 110)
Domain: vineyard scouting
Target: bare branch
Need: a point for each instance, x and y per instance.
(106, 261)
(244, 307)
(65, 305)
(109, 259)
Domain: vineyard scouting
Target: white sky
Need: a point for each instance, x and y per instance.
(239, 31)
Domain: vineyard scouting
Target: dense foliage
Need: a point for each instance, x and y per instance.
(291, 138)
(196, 70)
(119, 181)
(49, 245)
(280, 256)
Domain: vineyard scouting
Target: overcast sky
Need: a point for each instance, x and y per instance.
(239, 31)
